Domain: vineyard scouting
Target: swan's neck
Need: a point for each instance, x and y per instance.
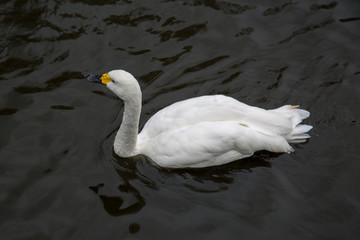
(126, 137)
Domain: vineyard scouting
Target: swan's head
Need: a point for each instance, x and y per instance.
(120, 82)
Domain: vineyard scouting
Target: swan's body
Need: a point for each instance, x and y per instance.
(202, 131)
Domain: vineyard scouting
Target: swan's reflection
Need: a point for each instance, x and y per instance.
(210, 179)
(114, 204)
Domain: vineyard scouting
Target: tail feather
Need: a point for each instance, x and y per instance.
(302, 113)
(293, 112)
(299, 134)
(301, 129)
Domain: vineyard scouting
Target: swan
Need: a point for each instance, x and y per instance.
(202, 131)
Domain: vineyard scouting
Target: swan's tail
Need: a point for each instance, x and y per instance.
(299, 134)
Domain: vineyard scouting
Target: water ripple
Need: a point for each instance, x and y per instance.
(150, 77)
(276, 10)
(169, 60)
(12, 64)
(323, 6)
(307, 29)
(8, 111)
(205, 64)
(181, 34)
(349, 19)
(50, 84)
(226, 7)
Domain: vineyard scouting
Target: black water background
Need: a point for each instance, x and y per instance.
(58, 176)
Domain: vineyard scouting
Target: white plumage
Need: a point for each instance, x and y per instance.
(203, 131)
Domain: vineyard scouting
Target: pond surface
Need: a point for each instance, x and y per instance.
(59, 178)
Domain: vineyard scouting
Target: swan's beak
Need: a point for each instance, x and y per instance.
(95, 78)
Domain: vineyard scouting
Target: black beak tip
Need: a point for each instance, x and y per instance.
(93, 78)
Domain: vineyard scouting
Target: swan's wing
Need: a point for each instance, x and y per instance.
(193, 111)
(281, 121)
(207, 144)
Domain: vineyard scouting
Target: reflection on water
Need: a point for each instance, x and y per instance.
(59, 177)
(113, 204)
(206, 180)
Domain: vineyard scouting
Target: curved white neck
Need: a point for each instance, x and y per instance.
(126, 137)
(125, 86)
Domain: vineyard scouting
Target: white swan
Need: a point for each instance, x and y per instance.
(202, 131)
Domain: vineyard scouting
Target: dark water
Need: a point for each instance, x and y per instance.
(58, 176)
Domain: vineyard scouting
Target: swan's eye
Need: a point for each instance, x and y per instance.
(105, 79)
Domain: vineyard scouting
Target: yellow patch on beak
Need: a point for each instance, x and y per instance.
(105, 78)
